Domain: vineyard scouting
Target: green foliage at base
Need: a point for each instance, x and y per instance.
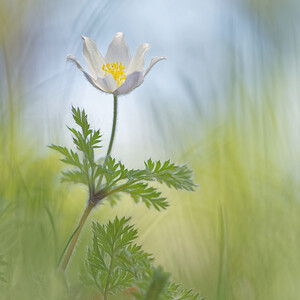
(115, 265)
(115, 262)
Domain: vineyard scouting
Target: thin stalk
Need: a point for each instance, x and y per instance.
(67, 244)
(112, 137)
(76, 236)
(113, 130)
(108, 277)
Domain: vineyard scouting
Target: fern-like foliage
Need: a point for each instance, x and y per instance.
(158, 287)
(178, 177)
(154, 288)
(136, 182)
(109, 178)
(115, 265)
(175, 291)
(115, 262)
(86, 141)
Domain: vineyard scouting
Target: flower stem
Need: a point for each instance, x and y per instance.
(113, 130)
(112, 136)
(74, 239)
(68, 243)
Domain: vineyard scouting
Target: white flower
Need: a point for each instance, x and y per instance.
(116, 73)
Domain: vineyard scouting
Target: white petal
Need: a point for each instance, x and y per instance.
(131, 82)
(137, 63)
(93, 57)
(87, 76)
(107, 83)
(118, 51)
(154, 60)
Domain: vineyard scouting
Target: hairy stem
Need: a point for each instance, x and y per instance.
(113, 130)
(76, 235)
(67, 244)
(112, 137)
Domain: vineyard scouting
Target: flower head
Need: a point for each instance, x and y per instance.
(116, 73)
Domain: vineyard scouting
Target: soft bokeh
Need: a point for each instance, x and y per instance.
(226, 101)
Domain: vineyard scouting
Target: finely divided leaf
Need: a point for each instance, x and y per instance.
(156, 286)
(148, 194)
(74, 176)
(178, 177)
(134, 182)
(86, 140)
(70, 158)
(115, 262)
(80, 117)
(175, 291)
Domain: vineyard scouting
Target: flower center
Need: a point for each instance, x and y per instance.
(116, 70)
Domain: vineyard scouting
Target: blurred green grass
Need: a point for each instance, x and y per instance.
(236, 237)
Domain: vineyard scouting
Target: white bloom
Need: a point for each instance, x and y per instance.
(116, 73)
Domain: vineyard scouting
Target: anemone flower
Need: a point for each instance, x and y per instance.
(116, 73)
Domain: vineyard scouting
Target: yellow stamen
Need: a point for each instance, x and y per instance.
(116, 70)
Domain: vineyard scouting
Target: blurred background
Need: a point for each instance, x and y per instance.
(226, 101)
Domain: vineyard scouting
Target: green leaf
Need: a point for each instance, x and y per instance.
(157, 286)
(70, 158)
(175, 291)
(95, 139)
(178, 177)
(80, 117)
(147, 194)
(74, 176)
(114, 262)
(113, 172)
(134, 182)
(85, 140)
